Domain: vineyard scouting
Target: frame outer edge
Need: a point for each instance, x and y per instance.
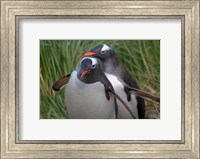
(196, 56)
(7, 86)
(4, 81)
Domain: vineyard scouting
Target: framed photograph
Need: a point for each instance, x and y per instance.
(83, 96)
(100, 79)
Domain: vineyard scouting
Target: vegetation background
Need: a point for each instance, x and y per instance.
(60, 57)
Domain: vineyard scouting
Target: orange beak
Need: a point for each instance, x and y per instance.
(84, 73)
(89, 54)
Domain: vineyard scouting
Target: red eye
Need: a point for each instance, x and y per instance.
(93, 66)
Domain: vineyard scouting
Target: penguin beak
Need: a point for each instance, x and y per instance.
(84, 73)
(90, 54)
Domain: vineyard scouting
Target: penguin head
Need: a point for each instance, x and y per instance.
(102, 51)
(89, 69)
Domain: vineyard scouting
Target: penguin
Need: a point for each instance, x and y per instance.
(121, 80)
(89, 94)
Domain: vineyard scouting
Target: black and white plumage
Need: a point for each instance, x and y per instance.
(120, 79)
(88, 100)
(89, 94)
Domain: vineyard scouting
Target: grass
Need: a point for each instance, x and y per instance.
(60, 57)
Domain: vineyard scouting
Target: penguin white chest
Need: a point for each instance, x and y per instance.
(119, 89)
(87, 101)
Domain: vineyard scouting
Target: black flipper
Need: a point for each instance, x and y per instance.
(141, 93)
(59, 83)
(128, 94)
(107, 92)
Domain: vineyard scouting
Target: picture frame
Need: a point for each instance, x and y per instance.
(187, 11)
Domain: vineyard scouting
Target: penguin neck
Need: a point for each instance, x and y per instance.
(110, 64)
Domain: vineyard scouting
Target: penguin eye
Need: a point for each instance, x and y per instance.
(103, 52)
(93, 66)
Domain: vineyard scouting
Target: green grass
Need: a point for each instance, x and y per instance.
(60, 57)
